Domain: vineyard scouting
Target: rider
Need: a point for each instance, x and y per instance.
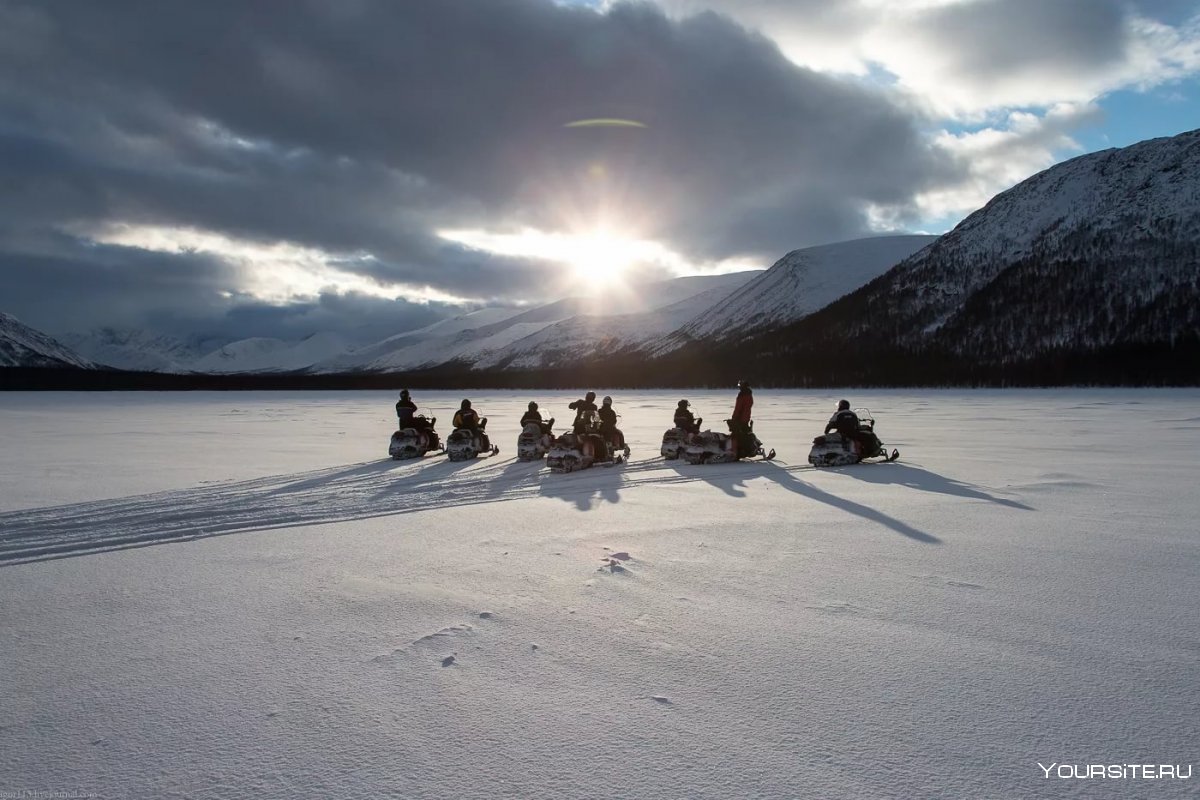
(467, 417)
(533, 415)
(685, 420)
(846, 422)
(406, 410)
(608, 425)
(581, 407)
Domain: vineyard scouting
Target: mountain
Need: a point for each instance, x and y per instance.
(23, 346)
(559, 329)
(588, 335)
(262, 354)
(801, 282)
(1096, 259)
(140, 350)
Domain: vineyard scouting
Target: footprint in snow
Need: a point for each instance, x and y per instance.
(620, 555)
(453, 630)
(448, 661)
(614, 562)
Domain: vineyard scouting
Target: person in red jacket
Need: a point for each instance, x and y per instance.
(739, 424)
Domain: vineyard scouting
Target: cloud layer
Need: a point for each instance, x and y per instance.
(204, 163)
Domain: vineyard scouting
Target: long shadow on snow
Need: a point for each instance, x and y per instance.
(731, 478)
(359, 491)
(784, 477)
(586, 488)
(914, 477)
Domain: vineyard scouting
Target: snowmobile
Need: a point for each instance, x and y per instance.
(835, 450)
(535, 441)
(414, 441)
(673, 443)
(467, 443)
(573, 451)
(713, 447)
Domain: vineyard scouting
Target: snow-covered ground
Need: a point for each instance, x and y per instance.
(239, 595)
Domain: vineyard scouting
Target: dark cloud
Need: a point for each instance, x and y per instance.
(71, 286)
(366, 126)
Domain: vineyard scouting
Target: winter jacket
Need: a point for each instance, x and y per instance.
(685, 419)
(406, 410)
(531, 416)
(741, 408)
(581, 407)
(844, 422)
(608, 417)
(466, 418)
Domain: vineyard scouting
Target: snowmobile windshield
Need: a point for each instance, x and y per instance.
(864, 416)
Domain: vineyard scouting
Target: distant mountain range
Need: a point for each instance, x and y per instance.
(640, 320)
(22, 346)
(1088, 271)
(634, 323)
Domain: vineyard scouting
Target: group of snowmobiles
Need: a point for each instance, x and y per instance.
(416, 436)
(594, 439)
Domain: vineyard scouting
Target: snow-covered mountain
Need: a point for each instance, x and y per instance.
(801, 282)
(140, 350)
(1092, 251)
(591, 335)
(262, 354)
(23, 346)
(547, 334)
(1096, 253)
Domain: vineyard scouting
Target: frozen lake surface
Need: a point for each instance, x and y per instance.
(239, 595)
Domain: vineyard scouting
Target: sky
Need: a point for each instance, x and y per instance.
(368, 166)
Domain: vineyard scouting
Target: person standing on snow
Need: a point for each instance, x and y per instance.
(739, 424)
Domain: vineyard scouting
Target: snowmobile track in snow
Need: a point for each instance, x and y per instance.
(359, 491)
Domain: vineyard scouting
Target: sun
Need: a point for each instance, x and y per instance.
(606, 257)
(597, 257)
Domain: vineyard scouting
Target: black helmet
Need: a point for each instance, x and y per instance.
(532, 406)
(843, 405)
(744, 385)
(607, 400)
(404, 394)
(465, 405)
(684, 404)
(590, 396)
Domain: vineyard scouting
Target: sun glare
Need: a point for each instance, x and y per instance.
(599, 257)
